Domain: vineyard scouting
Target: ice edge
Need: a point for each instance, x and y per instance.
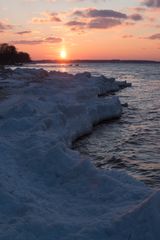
(48, 191)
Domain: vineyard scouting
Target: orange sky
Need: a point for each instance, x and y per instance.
(86, 29)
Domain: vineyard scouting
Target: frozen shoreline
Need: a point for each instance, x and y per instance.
(48, 191)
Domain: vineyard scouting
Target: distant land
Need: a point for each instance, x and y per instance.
(95, 61)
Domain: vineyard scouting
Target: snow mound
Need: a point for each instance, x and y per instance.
(47, 190)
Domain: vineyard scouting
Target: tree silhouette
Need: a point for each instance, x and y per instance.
(10, 56)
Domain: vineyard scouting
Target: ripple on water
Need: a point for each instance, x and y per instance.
(132, 142)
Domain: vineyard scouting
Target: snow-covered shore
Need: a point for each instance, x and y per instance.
(47, 190)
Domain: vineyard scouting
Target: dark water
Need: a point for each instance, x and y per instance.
(131, 143)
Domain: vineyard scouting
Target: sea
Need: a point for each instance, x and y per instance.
(131, 143)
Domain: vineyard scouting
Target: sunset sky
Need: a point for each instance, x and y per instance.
(85, 29)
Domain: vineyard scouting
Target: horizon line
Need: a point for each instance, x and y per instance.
(96, 60)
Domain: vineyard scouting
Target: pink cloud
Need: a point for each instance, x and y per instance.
(154, 36)
(152, 3)
(47, 18)
(38, 41)
(23, 32)
(4, 26)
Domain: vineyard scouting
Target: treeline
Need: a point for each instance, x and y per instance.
(10, 56)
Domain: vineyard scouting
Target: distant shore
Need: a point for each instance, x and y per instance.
(96, 61)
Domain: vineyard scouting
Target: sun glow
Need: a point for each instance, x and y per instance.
(63, 54)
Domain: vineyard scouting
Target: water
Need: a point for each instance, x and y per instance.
(132, 142)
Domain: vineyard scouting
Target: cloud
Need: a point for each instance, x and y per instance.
(4, 26)
(91, 18)
(96, 23)
(27, 42)
(76, 23)
(47, 18)
(152, 3)
(38, 41)
(154, 36)
(94, 13)
(103, 23)
(136, 17)
(127, 36)
(23, 32)
(53, 40)
(139, 9)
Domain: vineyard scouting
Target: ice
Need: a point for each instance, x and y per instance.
(49, 191)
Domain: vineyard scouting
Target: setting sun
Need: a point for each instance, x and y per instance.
(63, 54)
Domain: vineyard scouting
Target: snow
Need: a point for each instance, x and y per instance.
(49, 191)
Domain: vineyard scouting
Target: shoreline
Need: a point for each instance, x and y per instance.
(51, 191)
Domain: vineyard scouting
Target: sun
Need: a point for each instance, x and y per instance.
(63, 54)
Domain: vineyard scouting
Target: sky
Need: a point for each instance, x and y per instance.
(82, 29)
